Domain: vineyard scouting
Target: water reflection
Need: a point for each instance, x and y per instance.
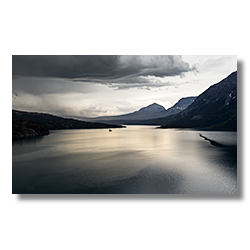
(31, 140)
(139, 159)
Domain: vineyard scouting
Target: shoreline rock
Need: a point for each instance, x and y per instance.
(25, 129)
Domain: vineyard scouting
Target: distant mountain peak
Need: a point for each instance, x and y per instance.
(152, 108)
(152, 111)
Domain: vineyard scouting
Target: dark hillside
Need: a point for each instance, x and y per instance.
(26, 124)
(21, 129)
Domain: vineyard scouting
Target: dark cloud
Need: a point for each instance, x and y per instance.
(98, 67)
(40, 74)
(160, 65)
(64, 66)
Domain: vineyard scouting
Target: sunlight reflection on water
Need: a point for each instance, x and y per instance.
(138, 159)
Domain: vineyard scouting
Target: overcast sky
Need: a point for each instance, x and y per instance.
(111, 85)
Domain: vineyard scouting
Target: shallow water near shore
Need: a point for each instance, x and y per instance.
(132, 160)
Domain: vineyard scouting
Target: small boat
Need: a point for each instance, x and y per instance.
(110, 130)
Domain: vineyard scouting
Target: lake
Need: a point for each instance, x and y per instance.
(132, 160)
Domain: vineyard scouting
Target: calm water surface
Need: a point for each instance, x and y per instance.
(138, 159)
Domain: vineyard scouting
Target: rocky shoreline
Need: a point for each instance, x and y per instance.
(25, 129)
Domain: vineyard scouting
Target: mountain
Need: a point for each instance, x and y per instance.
(215, 109)
(158, 110)
(149, 112)
(182, 104)
(152, 108)
(26, 124)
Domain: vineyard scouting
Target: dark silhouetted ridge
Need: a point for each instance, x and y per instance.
(27, 124)
(214, 109)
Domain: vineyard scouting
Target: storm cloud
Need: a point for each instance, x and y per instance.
(102, 67)
(110, 85)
